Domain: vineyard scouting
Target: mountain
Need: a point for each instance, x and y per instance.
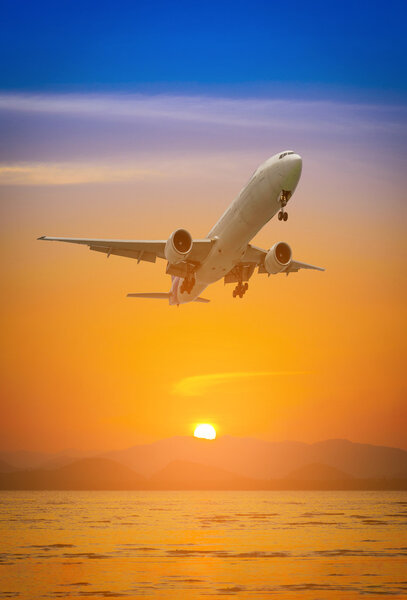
(246, 457)
(360, 460)
(318, 472)
(259, 459)
(182, 475)
(26, 459)
(5, 467)
(106, 474)
(84, 474)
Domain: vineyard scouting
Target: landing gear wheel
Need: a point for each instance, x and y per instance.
(285, 216)
(280, 215)
(240, 289)
(187, 285)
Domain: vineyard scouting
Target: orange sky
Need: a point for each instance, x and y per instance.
(308, 357)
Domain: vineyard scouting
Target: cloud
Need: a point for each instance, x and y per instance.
(69, 173)
(59, 139)
(133, 168)
(236, 112)
(198, 385)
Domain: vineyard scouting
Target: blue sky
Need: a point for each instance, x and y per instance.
(341, 49)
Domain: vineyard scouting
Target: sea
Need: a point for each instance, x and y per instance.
(209, 544)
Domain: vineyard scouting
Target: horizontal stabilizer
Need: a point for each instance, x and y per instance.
(161, 296)
(156, 295)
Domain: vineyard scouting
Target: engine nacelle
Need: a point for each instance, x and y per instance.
(278, 258)
(178, 246)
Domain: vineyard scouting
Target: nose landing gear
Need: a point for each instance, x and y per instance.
(240, 289)
(284, 198)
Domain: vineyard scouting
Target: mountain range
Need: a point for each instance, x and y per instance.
(251, 457)
(226, 463)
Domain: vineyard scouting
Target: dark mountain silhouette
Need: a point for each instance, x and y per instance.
(318, 472)
(6, 468)
(25, 459)
(106, 474)
(360, 460)
(244, 457)
(84, 474)
(263, 460)
(183, 475)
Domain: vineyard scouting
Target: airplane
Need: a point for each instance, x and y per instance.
(225, 252)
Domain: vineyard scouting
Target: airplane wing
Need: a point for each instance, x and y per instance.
(254, 256)
(296, 265)
(147, 250)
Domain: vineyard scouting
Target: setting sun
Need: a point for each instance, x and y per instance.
(205, 431)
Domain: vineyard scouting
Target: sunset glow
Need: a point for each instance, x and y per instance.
(205, 431)
(107, 151)
(179, 418)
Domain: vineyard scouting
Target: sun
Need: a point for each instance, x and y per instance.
(203, 430)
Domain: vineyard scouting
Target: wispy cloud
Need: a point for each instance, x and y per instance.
(198, 385)
(69, 173)
(242, 112)
(86, 138)
(133, 168)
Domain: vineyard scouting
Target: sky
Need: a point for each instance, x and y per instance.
(114, 114)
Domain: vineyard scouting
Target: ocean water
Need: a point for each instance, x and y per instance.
(187, 545)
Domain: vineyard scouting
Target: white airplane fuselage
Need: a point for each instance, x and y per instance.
(255, 205)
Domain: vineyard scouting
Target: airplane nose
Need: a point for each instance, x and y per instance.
(293, 172)
(296, 162)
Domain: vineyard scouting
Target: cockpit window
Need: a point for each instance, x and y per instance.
(284, 154)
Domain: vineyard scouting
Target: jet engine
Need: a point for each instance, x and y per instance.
(278, 258)
(178, 246)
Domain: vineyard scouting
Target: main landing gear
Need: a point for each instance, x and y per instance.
(240, 289)
(284, 198)
(187, 285)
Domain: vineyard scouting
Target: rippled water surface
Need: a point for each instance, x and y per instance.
(203, 544)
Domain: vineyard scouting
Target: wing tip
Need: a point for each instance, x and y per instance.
(43, 237)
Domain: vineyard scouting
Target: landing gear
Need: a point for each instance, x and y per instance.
(187, 285)
(284, 198)
(240, 289)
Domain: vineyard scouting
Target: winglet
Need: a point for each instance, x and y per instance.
(43, 237)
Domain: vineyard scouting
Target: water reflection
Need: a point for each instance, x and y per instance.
(199, 544)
